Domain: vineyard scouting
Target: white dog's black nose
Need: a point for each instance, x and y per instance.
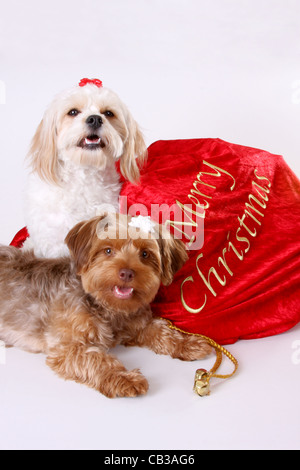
(94, 121)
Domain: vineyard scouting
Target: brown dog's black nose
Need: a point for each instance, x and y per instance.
(94, 121)
(126, 275)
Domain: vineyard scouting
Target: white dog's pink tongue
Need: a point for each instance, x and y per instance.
(123, 292)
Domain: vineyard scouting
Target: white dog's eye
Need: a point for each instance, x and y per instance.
(109, 114)
(73, 112)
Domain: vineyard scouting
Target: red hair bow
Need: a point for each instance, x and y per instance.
(94, 81)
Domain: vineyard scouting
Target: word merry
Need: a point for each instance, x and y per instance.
(193, 215)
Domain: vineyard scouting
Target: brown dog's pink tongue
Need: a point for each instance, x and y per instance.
(123, 292)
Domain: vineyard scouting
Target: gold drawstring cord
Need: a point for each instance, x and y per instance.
(202, 377)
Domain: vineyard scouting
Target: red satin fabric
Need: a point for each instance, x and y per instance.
(254, 249)
(20, 238)
(255, 253)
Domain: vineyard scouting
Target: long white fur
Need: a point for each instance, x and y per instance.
(69, 184)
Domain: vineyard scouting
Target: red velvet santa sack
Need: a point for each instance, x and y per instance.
(238, 211)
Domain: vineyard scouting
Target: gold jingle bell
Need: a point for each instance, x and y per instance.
(201, 386)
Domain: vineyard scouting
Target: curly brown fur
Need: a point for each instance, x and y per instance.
(75, 311)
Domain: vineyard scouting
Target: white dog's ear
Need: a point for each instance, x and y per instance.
(43, 150)
(135, 153)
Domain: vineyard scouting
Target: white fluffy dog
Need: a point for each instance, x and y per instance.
(84, 132)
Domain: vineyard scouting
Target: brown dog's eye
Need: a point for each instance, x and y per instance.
(73, 112)
(109, 114)
(145, 254)
(108, 251)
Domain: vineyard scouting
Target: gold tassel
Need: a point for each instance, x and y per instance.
(202, 377)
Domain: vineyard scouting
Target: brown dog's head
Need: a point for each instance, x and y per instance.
(123, 265)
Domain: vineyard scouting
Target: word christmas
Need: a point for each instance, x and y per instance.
(238, 240)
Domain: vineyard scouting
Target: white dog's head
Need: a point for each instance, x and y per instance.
(90, 126)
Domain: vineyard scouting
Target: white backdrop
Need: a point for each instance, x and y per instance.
(186, 69)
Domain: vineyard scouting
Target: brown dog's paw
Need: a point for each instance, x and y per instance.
(127, 384)
(132, 384)
(192, 348)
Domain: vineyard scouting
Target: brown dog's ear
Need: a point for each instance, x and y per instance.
(173, 257)
(80, 240)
